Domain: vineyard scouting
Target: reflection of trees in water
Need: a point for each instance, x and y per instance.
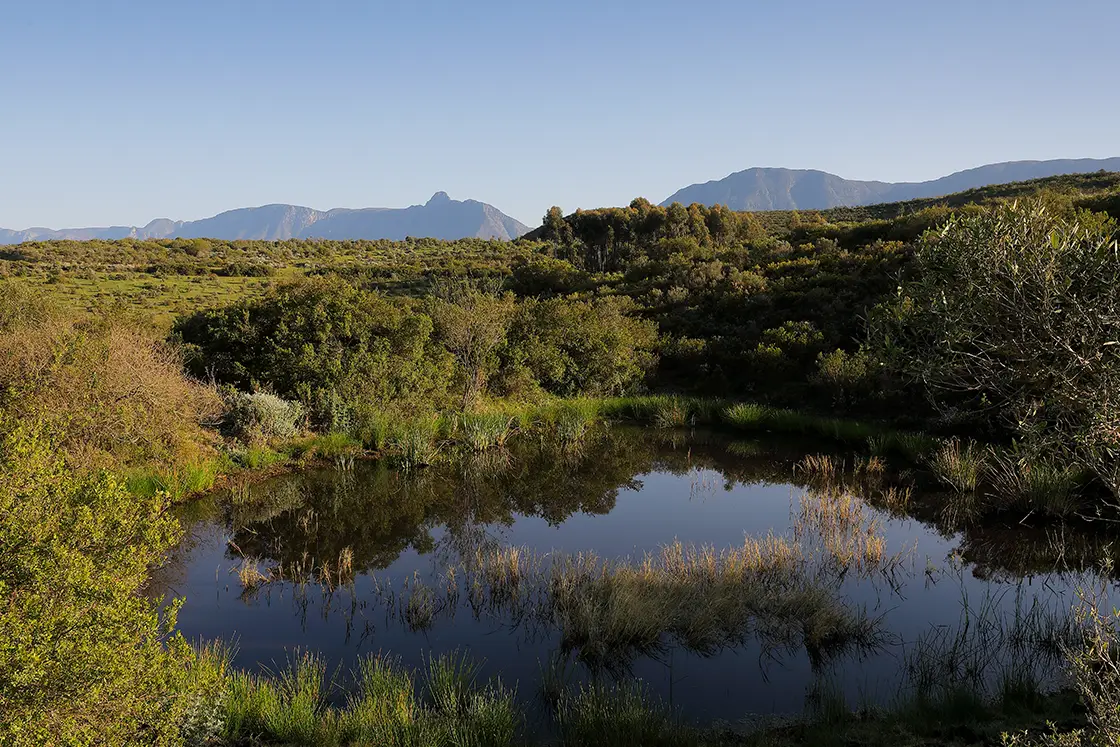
(377, 513)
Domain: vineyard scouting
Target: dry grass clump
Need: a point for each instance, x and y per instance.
(820, 467)
(503, 569)
(252, 574)
(115, 388)
(703, 598)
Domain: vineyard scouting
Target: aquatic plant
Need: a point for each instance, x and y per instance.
(670, 412)
(251, 574)
(482, 431)
(746, 415)
(821, 467)
(703, 598)
(596, 715)
(1035, 483)
(573, 421)
(258, 457)
(420, 608)
(373, 427)
(959, 467)
(414, 443)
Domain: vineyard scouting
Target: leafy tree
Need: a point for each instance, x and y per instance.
(471, 322)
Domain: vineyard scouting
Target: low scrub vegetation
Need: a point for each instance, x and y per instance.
(414, 350)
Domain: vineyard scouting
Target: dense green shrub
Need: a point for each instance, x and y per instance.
(83, 658)
(575, 348)
(319, 335)
(1015, 312)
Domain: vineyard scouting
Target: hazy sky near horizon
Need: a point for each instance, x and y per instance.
(120, 111)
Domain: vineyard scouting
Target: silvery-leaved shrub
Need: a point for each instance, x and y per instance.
(261, 416)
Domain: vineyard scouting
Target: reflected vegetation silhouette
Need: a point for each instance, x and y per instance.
(325, 539)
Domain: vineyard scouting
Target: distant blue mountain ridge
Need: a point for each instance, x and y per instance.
(797, 189)
(444, 218)
(441, 217)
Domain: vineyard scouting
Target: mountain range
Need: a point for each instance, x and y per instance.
(804, 189)
(440, 217)
(444, 218)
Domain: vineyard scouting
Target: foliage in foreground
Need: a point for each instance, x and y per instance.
(84, 658)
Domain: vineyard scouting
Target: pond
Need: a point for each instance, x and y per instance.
(862, 597)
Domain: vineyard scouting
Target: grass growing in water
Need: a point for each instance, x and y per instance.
(482, 431)
(596, 715)
(959, 467)
(415, 443)
(1036, 484)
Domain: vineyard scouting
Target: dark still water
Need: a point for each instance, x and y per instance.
(374, 560)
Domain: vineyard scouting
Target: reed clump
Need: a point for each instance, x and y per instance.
(705, 599)
(820, 467)
(960, 466)
(415, 443)
(482, 431)
(252, 574)
(1035, 483)
(670, 412)
(597, 715)
(574, 420)
(386, 706)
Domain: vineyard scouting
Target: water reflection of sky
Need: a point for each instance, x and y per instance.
(676, 493)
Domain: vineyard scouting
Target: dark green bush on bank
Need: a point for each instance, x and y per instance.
(330, 345)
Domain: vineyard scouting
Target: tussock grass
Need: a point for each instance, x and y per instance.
(754, 417)
(373, 427)
(258, 457)
(841, 526)
(703, 598)
(178, 482)
(504, 569)
(482, 431)
(251, 573)
(329, 446)
(574, 420)
(596, 715)
(671, 412)
(291, 707)
(820, 467)
(415, 443)
(961, 467)
(1035, 483)
(421, 608)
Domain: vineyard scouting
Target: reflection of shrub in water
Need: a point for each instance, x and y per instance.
(704, 599)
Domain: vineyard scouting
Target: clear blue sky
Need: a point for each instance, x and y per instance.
(117, 111)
